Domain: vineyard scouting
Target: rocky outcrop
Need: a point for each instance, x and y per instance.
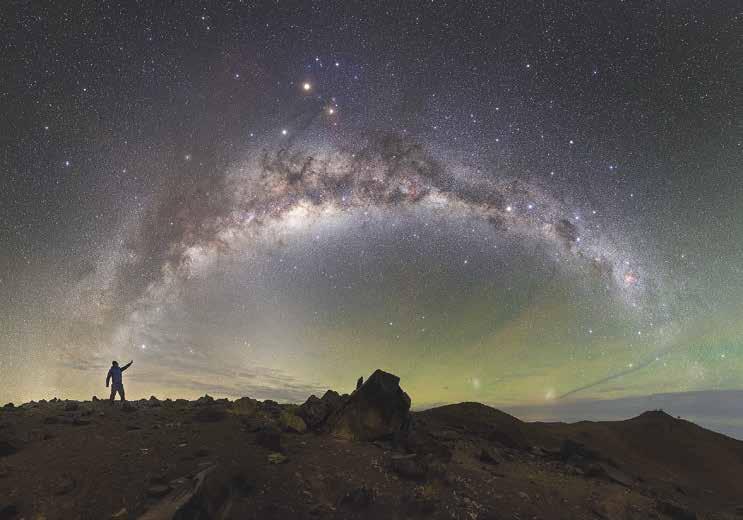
(245, 406)
(315, 411)
(377, 410)
(290, 422)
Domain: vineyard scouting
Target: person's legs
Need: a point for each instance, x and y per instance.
(113, 394)
(121, 392)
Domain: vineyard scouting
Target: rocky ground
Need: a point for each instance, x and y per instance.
(357, 456)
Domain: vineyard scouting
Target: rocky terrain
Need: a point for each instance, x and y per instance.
(362, 455)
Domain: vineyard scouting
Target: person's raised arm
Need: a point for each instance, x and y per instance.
(127, 366)
(108, 377)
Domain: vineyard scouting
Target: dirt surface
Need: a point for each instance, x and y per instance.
(215, 459)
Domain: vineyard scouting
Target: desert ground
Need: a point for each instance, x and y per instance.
(363, 455)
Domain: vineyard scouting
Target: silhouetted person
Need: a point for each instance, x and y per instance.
(359, 382)
(114, 375)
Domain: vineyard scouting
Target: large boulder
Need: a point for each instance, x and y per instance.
(315, 410)
(245, 406)
(292, 423)
(377, 410)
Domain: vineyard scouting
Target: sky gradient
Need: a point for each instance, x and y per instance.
(520, 206)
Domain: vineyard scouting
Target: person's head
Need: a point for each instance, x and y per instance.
(114, 363)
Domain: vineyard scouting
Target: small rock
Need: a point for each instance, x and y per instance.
(64, 485)
(538, 451)
(9, 406)
(408, 466)
(158, 490)
(95, 399)
(79, 421)
(523, 496)
(487, 456)
(277, 458)
(292, 423)
(121, 514)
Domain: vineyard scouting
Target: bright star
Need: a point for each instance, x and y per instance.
(306, 86)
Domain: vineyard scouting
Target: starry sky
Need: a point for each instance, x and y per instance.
(514, 203)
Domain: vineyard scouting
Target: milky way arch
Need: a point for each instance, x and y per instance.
(386, 173)
(194, 223)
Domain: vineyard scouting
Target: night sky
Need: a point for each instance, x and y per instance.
(515, 203)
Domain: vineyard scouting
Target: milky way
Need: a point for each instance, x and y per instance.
(386, 173)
